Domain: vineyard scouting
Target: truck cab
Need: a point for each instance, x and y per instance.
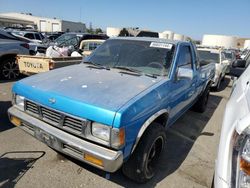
(112, 110)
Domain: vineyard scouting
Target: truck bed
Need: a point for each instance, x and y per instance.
(29, 65)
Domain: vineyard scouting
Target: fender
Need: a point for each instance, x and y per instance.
(146, 124)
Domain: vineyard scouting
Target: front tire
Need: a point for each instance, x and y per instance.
(9, 69)
(143, 163)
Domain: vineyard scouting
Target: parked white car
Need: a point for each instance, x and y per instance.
(229, 57)
(36, 37)
(232, 168)
(217, 56)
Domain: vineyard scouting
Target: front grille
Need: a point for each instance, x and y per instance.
(72, 150)
(51, 116)
(57, 119)
(73, 123)
(31, 107)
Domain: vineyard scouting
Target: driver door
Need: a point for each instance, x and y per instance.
(183, 89)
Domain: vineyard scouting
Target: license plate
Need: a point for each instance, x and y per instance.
(47, 139)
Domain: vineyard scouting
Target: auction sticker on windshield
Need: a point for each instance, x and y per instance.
(161, 45)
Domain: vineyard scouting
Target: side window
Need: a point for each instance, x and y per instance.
(86, 47)
(185, 58)
(92, 46)
(29, 35)
(37, 36)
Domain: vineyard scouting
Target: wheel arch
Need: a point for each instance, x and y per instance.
(6, 56)
(160, 117)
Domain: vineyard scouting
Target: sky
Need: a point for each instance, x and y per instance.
(189, 17)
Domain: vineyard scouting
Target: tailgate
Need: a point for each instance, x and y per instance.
(36, 64)
(33, 64)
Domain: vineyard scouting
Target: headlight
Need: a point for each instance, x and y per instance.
(101, 131)
(19, 102)
(115, 137)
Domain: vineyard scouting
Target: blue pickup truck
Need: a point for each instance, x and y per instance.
(112, 110)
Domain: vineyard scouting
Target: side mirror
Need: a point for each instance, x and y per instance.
(184, 73)
(226, 61)
(240, 63)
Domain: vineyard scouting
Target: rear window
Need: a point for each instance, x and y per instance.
(207, 57)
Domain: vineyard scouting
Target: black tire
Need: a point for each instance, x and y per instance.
(201, 105)
(217, 87)
(9, 69)
(223, 79)
(143, 163)
(212, 185)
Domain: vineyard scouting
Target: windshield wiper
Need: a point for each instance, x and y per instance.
(127, 69)
(151, 75)
(136, 71)
(96, 65)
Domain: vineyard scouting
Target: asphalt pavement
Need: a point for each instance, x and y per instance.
(188, 158)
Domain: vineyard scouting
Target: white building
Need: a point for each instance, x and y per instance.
(219, 41)
(44, 24)
(113, 31)
(247, 44)
(178, 37)
(167, 35)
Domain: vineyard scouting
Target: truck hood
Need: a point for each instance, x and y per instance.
(78, 85)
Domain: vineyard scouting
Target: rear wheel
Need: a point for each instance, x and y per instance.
(201, 104)
(9, 69)
(143, 163)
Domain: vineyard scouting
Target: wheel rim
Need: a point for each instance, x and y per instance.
(153, 156)
(10, 70)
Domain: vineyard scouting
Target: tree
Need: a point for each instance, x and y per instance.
(98, 30)
(90, 29)
(123, 33)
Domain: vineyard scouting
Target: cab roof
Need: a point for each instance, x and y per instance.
(149, 39)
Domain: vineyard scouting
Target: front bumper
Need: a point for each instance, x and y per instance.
(67, 143)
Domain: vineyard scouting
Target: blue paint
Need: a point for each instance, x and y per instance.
(115, 99)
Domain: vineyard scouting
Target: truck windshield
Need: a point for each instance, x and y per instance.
(207, 57)
(67, 40)
(143, 56)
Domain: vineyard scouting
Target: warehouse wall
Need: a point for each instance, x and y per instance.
(69, 26)
(49, 24)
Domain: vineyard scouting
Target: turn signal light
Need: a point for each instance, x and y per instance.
(93, 160)
(51, 65)
(25, 45)
(16, 121)
(245, 166)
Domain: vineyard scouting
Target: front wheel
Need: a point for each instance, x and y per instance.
(143, 163)
(9, 69)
